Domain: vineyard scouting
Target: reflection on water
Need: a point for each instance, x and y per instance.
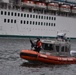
(12, 64)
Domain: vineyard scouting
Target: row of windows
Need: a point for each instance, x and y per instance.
(9, 21)
(30, 22)
(37, 23)
(27, 15)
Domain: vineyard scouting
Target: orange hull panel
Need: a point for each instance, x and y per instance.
(35, 56)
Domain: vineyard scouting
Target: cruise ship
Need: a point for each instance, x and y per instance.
(37, 18)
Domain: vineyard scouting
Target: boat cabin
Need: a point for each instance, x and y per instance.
(59, 48)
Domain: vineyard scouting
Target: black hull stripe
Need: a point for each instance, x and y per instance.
(27, 54)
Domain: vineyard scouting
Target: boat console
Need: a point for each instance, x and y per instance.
(60, 46)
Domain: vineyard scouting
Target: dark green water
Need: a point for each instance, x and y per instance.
(12, 64)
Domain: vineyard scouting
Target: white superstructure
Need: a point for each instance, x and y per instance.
(34, 18)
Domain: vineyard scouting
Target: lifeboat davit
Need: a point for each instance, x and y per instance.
(35, 56)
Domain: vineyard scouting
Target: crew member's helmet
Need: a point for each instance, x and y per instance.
(38, 39)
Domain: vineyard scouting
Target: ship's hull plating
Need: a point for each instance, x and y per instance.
(24, 24)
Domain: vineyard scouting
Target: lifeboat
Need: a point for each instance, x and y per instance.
(53, 51)
(53, 6)
(65, 8)
(73, 9)
(40, 5)
(28, 3)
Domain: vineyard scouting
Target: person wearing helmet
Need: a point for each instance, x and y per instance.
(38, 45)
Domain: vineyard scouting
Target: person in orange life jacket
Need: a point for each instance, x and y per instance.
(38, 45)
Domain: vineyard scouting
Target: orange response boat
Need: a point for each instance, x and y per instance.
(54, 52)
(35, 56)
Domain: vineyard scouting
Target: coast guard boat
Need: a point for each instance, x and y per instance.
(53, 52)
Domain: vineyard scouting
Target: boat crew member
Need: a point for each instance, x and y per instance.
(32, 44)
(38, 45)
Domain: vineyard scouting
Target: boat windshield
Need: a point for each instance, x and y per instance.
(65, 49)
(46, 46)
(62, 37)
(62, 48)
(57, 48)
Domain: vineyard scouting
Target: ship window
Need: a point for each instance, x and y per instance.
(1, 12)
(49, 18)
(5, 13)
(4, 20)
(38, 23)
(24, 15)
(8, 13)
(27, 15)
(41, 23)
(11, 20)
(27, 22)
(54, 24)
(24, 22)
(14, 21)
(54, 18)
(30, 22)
(21, 15)
(31, 16)
(15, 14)
(18, 14)
(21, 21)
(8, 20)
(49, 24)
(36, 16)
(39, 16)
(11, 13)
(33, 22)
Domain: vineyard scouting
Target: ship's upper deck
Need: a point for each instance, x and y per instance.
(66, 8)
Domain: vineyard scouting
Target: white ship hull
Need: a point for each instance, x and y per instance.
(17, 25)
